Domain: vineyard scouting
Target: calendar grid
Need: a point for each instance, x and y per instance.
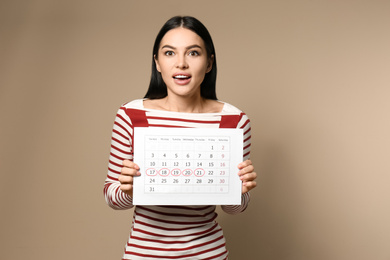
(185, 164)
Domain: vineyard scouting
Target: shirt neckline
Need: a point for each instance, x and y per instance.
(182, 113)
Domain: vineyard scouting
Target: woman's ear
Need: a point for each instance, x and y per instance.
(157, 64)
(210, 64)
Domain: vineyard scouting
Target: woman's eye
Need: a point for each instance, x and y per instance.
(169, 53)
(194, 53)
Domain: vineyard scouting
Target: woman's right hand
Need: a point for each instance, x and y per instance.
(129, 170)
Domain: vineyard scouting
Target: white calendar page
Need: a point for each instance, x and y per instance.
(187, 166)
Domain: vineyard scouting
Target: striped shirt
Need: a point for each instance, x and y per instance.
(170, 232)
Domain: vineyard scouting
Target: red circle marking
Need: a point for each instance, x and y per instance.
(175, 170)
(159, 172)
(184, 172)
(202, 172)
(147, 172)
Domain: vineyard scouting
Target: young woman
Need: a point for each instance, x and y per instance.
(181, 94)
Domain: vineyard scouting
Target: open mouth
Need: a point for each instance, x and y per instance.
(181, 77)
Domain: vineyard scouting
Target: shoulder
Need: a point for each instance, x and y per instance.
(229, 108)
(243, 120)
(134, 104)
(126, 108)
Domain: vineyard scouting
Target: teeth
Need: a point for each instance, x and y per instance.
(181, 77)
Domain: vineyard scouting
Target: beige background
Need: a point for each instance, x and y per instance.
(312, 75)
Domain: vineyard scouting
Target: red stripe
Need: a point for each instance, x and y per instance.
(177, 222)
(119, 133)
(116, 156)
(117, 190)
(122, 143)
(188, 207)
(246, 147)
(113, 171)
(210, 231)
(249, 137)
(176, 257)
(116, 164)
(161, 241)
(214, 256)
(124, 120)
(120, 150)
(176, 126)
(109, 199)
(246, 122)
(106, 186)
(247, 131)
(163, 228)
(204, 233)
(137, 117)
(176, 215)
(176, 249)
(124, 129)
(184, 120)
(229, 121)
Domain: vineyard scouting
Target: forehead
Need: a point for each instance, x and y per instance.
(181, 37)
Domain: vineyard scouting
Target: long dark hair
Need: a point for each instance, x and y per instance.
(157, 88)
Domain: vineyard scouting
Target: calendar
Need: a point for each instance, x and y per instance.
(187, 166)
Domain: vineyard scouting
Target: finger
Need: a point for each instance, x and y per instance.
(124, 179)
(130, 164)
(246, 170)
(244, 164)
(247, 186)
(130, 172)
(248, 177)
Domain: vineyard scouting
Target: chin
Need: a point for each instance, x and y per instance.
(184, 91)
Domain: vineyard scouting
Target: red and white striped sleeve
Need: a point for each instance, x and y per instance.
(121, 149)
(244, 124)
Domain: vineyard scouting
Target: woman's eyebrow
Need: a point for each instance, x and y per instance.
(168, 46)
(193, 46)
(188, 47)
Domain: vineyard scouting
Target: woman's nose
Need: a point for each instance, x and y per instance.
(181, 62)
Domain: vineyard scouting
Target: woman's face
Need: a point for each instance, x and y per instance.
(183, 62)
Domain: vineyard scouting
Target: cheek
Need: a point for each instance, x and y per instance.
(202, 69)
(163, 70)
(163, 66)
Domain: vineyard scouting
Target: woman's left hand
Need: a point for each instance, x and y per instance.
(247, 175)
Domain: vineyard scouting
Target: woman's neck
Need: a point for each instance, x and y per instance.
(184, 104)
(181, 104)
